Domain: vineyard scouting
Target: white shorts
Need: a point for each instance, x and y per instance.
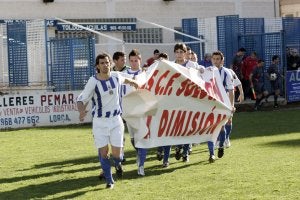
(108, 131)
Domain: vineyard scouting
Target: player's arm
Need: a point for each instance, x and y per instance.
(231, 99)
(230, 88)
(82, 110)
(84, 98)
(241, 96)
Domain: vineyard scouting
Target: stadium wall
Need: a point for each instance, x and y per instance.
(168, 14)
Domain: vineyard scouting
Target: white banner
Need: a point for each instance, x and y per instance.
(176, 105)
(39, 109)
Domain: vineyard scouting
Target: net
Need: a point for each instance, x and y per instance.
(22, 46)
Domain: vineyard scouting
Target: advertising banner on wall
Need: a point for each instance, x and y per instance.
(293, 85)
(35, 109)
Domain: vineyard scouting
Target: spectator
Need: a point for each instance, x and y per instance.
(151, 60)
(236, 66)
(293, 59)
(237, 62)
(206, 62)
(248, 65)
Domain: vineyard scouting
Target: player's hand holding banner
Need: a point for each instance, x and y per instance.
(176, 105)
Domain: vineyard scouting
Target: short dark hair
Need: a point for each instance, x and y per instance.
(135, 52)
(163, 55)
(180, 46)
(155, 51)
(118, 54)
(275, 57)
(218, 53)
(242, 49)
(101, 56)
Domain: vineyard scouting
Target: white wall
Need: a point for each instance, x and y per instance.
(168, 14)
(154, 10)
(287, 10)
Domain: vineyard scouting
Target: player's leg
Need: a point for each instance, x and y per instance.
(178, 151)
(222, 136)
(123, 150)
(228, 128)
(277, 93)
(116, 140)
(185, 152)
(259, 96)
(142, 153)
(105, 164)
(101, 175)
(167, 150)
(211, 150)
(117, 157)
(101, 139)
(159, 153)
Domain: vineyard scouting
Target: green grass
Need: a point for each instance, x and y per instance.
(61, 163)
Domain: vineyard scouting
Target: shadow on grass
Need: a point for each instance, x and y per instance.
(60, 164)
(255, 124)
(289, 143)
(43, 190)
(75, 194)
(42, 175)
(51, 188)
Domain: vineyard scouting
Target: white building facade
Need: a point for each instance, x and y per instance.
(290, 8)
(168, 13)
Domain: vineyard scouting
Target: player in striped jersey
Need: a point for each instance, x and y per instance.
(135, 61)
(104, 91)
(227, 80)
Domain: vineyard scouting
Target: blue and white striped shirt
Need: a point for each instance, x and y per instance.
(105, 96)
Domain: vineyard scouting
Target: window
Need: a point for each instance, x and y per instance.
(144, 35)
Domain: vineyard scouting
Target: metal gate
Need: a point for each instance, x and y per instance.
(70, 63)
(17, 53)
(266, 45)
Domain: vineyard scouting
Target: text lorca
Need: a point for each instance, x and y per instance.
(59, 118)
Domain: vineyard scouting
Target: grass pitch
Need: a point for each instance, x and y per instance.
(61, 163)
